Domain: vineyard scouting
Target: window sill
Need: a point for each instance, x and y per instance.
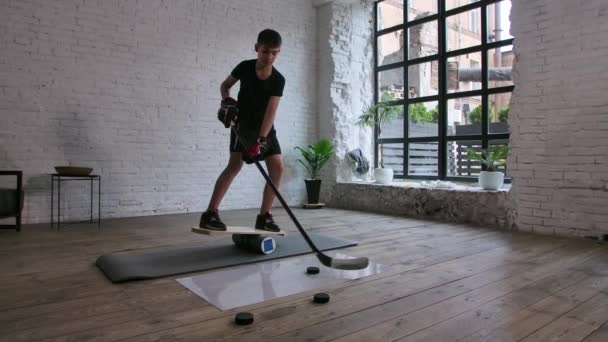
(461, 203)
(434, 185)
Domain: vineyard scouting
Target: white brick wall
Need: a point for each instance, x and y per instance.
(131, 88)
(345, 81)
(559, 116)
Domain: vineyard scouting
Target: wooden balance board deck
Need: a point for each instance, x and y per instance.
(236, 230)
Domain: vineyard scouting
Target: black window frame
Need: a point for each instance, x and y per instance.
(443, 96)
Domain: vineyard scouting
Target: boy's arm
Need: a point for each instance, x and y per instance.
(226, 85)
(271, 112)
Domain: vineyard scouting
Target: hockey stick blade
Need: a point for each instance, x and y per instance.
(343, 264)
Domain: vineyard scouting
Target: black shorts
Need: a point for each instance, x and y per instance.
(273, 144)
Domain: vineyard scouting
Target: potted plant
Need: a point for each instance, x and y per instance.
(377, 115)
(315, 157)
(491, 159)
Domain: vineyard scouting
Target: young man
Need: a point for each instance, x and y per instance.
(260, 91)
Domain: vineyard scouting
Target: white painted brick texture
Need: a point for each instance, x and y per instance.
(345, 82)
(131, 89)
(559, 121)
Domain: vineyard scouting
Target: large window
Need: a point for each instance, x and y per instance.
(447, 65)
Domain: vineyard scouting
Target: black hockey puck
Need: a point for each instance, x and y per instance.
(312, 270)
(243, 318)
(321, 298)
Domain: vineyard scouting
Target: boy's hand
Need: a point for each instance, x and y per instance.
(228, 111)
(259, 147)
(228, 102)
(254, 150)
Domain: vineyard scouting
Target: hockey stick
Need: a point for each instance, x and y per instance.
(341, 264)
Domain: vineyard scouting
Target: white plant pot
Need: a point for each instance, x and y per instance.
(383, 175)
(491, 180)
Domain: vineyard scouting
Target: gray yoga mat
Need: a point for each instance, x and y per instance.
(122, 268)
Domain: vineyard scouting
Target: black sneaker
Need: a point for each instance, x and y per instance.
(266, 222)
(211, 220)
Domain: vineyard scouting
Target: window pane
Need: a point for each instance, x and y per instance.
(464, 72)
(459, 164)
(499, 23)
(449, 4)
(423, 159)
(390, 84)
(464, 116)
(423, 119)
(393, 157)
(393, 128)
(421, 8)
(390, 13)
(423, 40)
(464, 30)
(500, 66)
(499, 112)
(422, 79)
(390, 48)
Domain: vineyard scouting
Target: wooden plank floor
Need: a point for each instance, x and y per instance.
(446, 283)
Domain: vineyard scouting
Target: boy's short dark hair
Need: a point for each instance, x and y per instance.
(269, 38)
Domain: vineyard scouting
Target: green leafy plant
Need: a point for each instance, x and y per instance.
(419, 113)
(316, 156)
(434, 115)
(475, 115)
(379, 114)
(503, 114)
(492, 157)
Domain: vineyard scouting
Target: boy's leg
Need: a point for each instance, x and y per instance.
(224, 180)
(274, 164)
(210, 218)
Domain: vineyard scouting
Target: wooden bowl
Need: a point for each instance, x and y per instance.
(73, 170)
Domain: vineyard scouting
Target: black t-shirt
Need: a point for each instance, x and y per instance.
(254, 94)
